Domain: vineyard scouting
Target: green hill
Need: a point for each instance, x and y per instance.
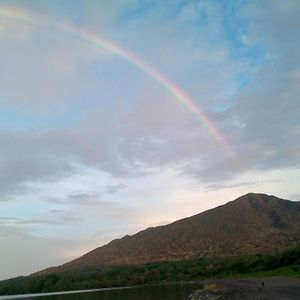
(252, 224)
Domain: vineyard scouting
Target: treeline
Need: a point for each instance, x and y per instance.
(188, 270)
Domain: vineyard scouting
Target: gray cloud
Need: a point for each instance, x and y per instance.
(61, 220)
(25, 253)
(159, 132)
(80, 198)
(112, 189)
(294, 197)
(248, 184)
(269, 107)
(27, 157)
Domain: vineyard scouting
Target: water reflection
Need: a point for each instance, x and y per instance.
(164, 292)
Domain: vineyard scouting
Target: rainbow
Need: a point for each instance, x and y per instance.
(98, 41)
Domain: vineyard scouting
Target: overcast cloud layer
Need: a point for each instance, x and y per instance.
(93, 148)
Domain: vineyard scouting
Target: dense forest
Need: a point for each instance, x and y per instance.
(286, 263)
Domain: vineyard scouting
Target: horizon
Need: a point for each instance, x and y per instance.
(122, 115)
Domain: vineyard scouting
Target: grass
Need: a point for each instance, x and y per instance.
(289, 271)
(213, 288)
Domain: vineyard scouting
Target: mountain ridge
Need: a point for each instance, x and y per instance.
(251, 224)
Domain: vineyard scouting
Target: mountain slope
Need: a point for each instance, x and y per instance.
(251, 224)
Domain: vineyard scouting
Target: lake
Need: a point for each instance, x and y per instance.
(154, 292)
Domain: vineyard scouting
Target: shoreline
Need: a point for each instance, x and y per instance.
(272, 288)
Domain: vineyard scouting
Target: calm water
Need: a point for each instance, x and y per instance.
(163, 292)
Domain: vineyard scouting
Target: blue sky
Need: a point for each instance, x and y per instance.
(93, 148)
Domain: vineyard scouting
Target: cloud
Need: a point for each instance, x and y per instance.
(159, 132)
(268, 108)
(112, 189)
(295, 197)
(78, 198)
(35, 155)
(26, 158)
(47, 82)
(247, 184)
(23, 253)
(190, 52)
(39, 221)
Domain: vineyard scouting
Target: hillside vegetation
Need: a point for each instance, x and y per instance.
(252, 224)
(284, 264)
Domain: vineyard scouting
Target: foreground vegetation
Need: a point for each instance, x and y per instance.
(284, 264)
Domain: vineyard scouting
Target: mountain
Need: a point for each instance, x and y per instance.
(252, 224)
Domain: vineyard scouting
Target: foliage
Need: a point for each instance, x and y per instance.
(286, 263)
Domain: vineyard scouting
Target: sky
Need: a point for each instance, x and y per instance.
(117, 115)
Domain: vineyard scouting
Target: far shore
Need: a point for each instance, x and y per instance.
(267, 288)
